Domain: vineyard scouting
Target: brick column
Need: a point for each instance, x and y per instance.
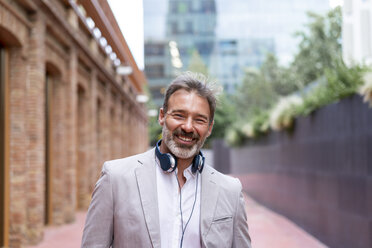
(70, 134)
(35, 115)
(124, 125)
(127, 134)
(99, 115)
(117, 129)
(106, 131)
(18, 146)
(137, 132)
(83, 150)
(120, 129)
(94, 165)
(130, 133)
(111, 129)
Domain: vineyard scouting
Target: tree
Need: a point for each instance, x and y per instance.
(197, 64)
(254, 95)
(320, 47)
(283, 80)
(224, 116)
(319, 52)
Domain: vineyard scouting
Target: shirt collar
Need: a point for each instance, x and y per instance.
(188, 172)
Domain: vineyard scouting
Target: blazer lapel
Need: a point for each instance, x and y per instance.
(146, 181)
(209, 197)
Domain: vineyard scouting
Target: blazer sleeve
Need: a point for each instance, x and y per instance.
(241, 236)
(98, 230)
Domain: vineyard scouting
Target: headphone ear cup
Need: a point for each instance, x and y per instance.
(195, 164)
(202, 161)
(167, 162)
(198, 163)
(171, 163)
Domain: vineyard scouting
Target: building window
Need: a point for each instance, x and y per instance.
(173, 6)
(155, 71)
(208, 6)
(189, 28)
(173, 28)
(183, 7)
(157, 93)
(204, 48)
(154, 49)
(228, 47)
(183, 50)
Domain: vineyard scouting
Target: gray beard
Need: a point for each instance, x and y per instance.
(182, 152)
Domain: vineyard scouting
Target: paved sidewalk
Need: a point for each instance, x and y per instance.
(266, 228)
(65, 236)
(269, 229)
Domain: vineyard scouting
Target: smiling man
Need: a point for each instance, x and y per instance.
(168, 196)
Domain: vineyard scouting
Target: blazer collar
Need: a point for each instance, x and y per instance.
(146, 181)
(208, 201)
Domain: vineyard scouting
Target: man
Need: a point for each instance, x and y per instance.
(167, 197)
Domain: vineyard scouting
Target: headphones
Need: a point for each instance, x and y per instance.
(169, 163)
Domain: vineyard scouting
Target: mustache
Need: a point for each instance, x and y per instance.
(191, 135)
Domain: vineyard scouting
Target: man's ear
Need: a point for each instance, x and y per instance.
(210, 128)
(161, 118)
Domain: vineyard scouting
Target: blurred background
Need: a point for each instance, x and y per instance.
(82, 82)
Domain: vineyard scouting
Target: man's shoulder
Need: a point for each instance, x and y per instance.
(127, 164)
(224, 181)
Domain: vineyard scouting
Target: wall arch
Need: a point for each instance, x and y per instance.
(8, 38)
(53, 70)
(55, 64)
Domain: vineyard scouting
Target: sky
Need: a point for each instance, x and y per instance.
(335, 3)
(129, 15)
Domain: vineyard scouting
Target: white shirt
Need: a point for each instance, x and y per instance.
(169, 208)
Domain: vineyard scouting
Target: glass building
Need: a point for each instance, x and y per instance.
(229, 35)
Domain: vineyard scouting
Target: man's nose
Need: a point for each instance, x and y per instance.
(188, 125)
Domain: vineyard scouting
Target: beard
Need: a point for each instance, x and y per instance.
(181, 150)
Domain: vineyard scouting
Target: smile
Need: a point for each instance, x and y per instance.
(184, 139)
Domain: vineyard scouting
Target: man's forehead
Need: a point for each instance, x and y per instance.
(185, 100)
(181, 94)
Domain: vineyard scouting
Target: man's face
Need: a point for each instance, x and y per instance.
(186, 124)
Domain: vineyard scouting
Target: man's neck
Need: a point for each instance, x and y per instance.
(182, 164)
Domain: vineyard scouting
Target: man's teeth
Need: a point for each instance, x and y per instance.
(185, 138)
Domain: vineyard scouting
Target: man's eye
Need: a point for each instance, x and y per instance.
(201, 121)
(178, 116)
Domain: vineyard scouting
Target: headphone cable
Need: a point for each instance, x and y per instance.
(192, 210)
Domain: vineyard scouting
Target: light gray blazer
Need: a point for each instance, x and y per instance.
(124, 209)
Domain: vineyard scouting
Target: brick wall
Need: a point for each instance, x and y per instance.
(91, 119)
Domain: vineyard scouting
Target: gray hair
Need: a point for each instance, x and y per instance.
(194, 82)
